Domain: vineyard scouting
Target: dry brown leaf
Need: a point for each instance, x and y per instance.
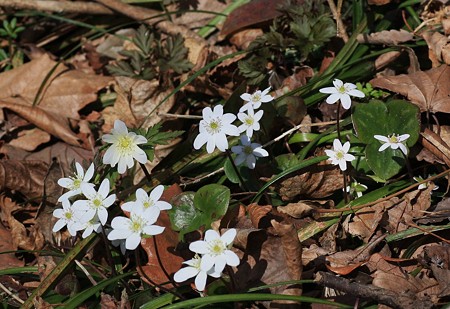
(304, 208)
(378, 2)
(46, 120)
(387, 37)
(160, 249)
(64, 94)
(255, 12)
(257, 212)
(29, 178)
(392, 277)
(427, 89)
(244, 38)
(8, 260)
(137, 99)
(411, 206)
(439, 47)
(317, 182)
(439, 213)
(366, 220)
(436, 146)
(29, 140)
(438, 259)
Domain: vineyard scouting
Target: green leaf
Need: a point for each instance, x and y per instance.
(212, 200)
(393, 117)
(173, 55)
(184, 217)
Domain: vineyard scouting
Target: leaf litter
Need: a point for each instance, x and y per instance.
(391, 249)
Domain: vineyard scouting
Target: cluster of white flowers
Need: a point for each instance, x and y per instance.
(89, 212)
(211, 256)
(339, 155)
(216, 126)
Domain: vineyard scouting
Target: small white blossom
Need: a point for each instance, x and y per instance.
(145, 201)
(214, 250)
(256, 99)
(134, 228)
(124, 148)
(73, 183)
(342, 92)
(248, 152)
(394, 141)
(425, 184)
(93, 225)
(214, 129)
(96, 203)
(356, 189)
(339, 155)
(193, 270)
(250, 121)
(67, 217)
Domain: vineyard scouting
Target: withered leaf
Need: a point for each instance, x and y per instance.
(249, 14)
(388, 37)
(427, 89)
(303, 208)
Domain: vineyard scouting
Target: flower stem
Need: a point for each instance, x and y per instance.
(236, 170)
(146, 172)
(338, 128)
(408, 167)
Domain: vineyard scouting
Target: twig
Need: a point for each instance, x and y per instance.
(383, 296)
(336, 11)
(57, 6)
(385, 198)
(84, 270)
(177, 116)
(4, 288)
(145, 15)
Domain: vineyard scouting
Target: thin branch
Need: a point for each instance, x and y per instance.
(145, 15)
(4, 288)
(336, 11)
(57, 6)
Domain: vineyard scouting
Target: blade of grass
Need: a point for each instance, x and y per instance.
(59, 270)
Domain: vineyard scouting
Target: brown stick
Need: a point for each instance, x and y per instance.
(143, 14)
(57, 6)
(383, 296)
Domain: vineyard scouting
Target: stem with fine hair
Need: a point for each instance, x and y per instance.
(236, 170)
(338, 127)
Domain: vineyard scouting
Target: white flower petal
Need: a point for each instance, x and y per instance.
(207, 262)
(338, 83)
(333, 98)
(383, 147)
(200, 281)
(211, 235)
(199, 247)
(200, 140)
(356, 93)
(381, 138)
(185, 273)
(59, 225)
(228, 236)
(346, 101)
(133, 241)
(403, 148)
(328, 90)
(232, 258)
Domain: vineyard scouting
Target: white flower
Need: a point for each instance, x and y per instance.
(73, 183)
(250, 121)
(214, 129)
(214, 250)
(356, 188)
(342, 92)
(394, 141)
(254, 100)
(67, 217)
(194, 270)
(248, 152)
(145, 201)
(96, 203)
(425, 184)
(124, 147)
(132, 229)
(90, 226)
(339, 154)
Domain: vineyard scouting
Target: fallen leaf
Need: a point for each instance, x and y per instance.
(304, 208)
(427, 89)
(439, 47)
(29, 140)
(257, 213)
(163, 258)
(8, 260)
(242, 39)
(387, 37)
(366, 220)
(255, 12)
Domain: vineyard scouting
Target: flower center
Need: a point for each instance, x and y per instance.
(137, 224)
(216, 247)
(125, 144)
(148, 203)
(97, 202)
(256, 97)
(249, 121)
(393, 139)
(340, 155)
(248, 150)
(68, 215)
(342, 89)
(214, 126)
